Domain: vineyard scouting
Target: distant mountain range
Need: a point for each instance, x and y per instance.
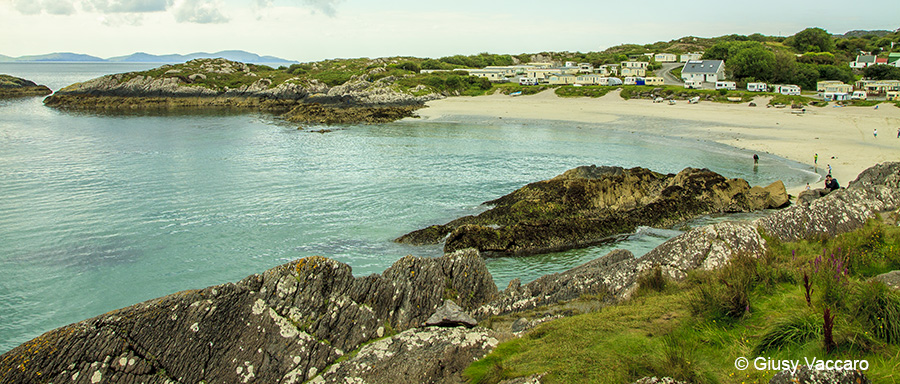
(141, 57)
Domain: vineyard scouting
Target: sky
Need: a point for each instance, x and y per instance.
(313, 30)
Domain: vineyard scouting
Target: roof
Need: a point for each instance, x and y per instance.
(703, 66)
(881, 60)
(865, 59)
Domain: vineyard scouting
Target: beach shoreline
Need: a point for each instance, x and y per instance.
(842, 137)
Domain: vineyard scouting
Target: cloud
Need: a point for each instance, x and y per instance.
(27, 7)
(327, 7)
(126, 6)
(52, 7)
(199, 11)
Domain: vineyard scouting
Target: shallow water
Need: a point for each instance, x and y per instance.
(99, 212)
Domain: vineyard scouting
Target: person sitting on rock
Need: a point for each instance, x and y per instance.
(831, 183)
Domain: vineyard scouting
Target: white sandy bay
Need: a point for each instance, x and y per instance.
(845, 133)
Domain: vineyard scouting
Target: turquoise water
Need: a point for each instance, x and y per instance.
(101, 212)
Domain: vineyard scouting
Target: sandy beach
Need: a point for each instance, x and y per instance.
(842, 137)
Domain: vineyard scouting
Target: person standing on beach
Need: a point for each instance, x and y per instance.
(755, 159)
(875, 132)
(816, 157)
(829, 168)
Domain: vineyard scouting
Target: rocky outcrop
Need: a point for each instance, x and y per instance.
(804, 375)
(613, 277)
(220, 83)
(588, 205)
(875, 190)
(11, 86)
(450, 315)
(283, 326)
(302, 320)
(421, 355)
(890, 279)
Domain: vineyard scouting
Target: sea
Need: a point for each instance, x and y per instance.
(102, 211)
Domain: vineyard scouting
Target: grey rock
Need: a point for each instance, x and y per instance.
(532, 379)
(891, 279)
(450, 315)
(658, 380)
(806, 376)
(877, 189)
(423, 355)
(283, 325)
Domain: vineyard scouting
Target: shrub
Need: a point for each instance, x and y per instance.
(878, 308)
(652, 280)
(793, 330)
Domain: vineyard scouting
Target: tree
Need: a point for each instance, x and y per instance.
(754, 62)
(785, 68)
(881, 72)
(812, 40)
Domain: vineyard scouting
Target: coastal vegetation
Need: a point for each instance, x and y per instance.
(773, 306)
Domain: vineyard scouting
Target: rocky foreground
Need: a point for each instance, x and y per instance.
(312, 320)
(11, 86)
(224, 84)
(588, 205)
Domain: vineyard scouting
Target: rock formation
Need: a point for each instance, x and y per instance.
(283, 326)
(308, 319)
(11, 86)
(220, 83)
(588, 205)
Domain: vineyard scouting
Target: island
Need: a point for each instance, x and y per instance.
(11, 86)
(369, 96)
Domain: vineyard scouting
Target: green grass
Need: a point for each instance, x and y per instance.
(679, 92)
(585, 91)
(778, 98)
(694, 329)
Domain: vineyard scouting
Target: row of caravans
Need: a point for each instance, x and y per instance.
(590, 80)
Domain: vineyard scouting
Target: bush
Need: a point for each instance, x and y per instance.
(792, 331)
(878, 308)
(652, 280)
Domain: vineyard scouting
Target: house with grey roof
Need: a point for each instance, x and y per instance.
(863, 61)
(707, 71)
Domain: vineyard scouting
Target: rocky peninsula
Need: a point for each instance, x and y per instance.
(368, 96)
(588, 205)
(11, 86)
(311, 319)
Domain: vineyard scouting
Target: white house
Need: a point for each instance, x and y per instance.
(585, 67)
(590, 79)
(562, 79)
(635, 64)
(757, 87)
(490, 74)
(863, 61)
(685, 57)
(788, 89)
(608, 69)
(634, 72)
(832, 86)
(665, 58)
(654, 81)
(707, 71)
(529, 81)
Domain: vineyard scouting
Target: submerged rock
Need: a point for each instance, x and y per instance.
(11, 86)
(588, 205)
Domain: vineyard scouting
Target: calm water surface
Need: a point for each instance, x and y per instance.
(101, 212)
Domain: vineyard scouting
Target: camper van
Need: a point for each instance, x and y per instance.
(693, 84)
(728, 85)
(836, 96)
(858, 95)
(528, 81)
(757, 87)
